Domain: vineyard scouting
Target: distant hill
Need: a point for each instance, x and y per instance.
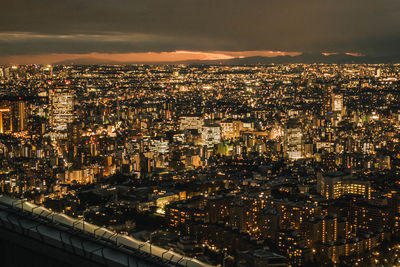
(307, 58)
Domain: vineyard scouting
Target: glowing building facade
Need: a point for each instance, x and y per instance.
(293, 142)
(336, 184)
(62, 109)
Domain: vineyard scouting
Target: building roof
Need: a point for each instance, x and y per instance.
(98, 242)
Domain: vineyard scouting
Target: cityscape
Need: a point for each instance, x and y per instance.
(265, 165)
(199, 133)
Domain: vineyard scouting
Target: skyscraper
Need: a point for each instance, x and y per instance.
(337, 103)
(293, 140)
(19, 116)
(62, 109)
(2, 122)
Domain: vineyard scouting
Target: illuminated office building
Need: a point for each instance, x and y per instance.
(62, 109)
(19, 116)
(4, 115)
(293, 142)
(337, 103)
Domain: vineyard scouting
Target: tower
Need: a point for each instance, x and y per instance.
(2, 123)
(62, 108)
(19, 116)
(293, 140)
(337, 103)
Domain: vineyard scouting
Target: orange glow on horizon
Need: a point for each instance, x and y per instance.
(346, 53)
(144, 57)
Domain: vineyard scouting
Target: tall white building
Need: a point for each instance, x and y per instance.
(293, 141)
(337, 103)
(62, 109)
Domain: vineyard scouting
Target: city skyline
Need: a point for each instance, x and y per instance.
(295, 164)
(200, 133)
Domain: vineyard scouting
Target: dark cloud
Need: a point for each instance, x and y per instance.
(76, 26)
(30, 43)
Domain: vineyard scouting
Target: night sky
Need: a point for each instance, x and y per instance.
(38, 31)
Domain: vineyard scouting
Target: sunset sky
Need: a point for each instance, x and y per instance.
(48, 31)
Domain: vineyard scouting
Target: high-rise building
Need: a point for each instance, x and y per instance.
(3, 122)
(293, 140)
(62, 109)
(19, 116)
(337, 102)
(6, 117)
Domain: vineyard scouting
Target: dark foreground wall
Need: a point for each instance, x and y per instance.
(20, 251)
